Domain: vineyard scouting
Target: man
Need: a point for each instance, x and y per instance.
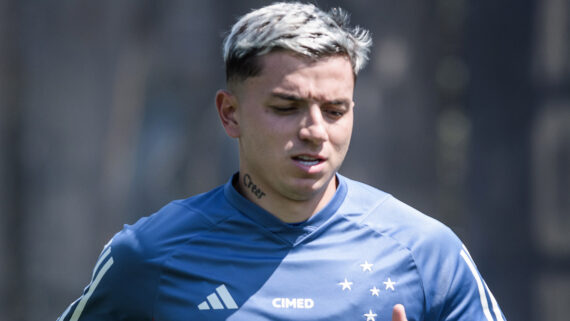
(287, 238)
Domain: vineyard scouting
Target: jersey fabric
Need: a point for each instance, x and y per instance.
(218, 256)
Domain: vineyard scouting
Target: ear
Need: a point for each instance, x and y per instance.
(227, 105)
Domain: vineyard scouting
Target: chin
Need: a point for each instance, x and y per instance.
(306, 188)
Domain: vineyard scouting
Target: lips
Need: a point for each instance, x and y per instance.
(308, 160)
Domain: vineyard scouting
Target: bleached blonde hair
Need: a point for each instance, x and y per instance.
(300, 28)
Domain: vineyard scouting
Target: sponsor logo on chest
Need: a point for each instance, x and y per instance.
(293, 303)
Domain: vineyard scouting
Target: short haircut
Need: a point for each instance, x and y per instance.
(300, 28)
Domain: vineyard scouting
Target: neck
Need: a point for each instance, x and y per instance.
(288, 210)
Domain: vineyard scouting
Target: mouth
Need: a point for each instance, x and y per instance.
(308, 160)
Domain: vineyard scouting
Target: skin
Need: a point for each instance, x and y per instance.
(398, 313)
(296, 107)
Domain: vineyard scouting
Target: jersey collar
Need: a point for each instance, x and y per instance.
(291, 233)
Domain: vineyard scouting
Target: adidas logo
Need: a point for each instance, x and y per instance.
(213, 300)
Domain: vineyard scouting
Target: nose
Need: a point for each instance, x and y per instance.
(313, 126)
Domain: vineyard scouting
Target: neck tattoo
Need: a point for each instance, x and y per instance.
(255, 190)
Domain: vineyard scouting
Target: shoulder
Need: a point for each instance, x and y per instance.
(450, 280)
(173, 225)
(429, 242)
(126, 275)
(391, 217)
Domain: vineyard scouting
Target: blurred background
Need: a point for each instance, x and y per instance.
(107, 113)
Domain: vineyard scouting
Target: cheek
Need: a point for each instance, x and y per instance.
(264, 135)
(340, 136)
(278, 132)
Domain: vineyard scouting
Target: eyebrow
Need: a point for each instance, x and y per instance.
(295, 98)
(287, 97)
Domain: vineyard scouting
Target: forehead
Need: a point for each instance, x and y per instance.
(289, 62)
(329, 77)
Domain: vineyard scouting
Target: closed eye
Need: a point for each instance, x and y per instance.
(334, 113)
(284, 109)
(335, 110)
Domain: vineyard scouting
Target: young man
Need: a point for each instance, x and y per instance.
(287, 238)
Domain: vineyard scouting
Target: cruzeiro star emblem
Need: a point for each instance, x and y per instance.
(370, 316)
(366, 266)
(345, 285)
(390, 284)
(375, 290)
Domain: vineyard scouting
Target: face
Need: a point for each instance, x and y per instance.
(293, 122)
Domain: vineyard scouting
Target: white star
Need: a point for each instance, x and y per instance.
(366, 266)
(345, 284)
(389, 284)
(370, 316)
(375, 291)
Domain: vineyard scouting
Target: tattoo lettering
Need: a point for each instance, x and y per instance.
(252, 187)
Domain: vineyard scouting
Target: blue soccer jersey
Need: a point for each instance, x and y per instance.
(218, 256)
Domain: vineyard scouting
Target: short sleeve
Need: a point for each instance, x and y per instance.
(468, 297)
(121, 285)
(455, 290)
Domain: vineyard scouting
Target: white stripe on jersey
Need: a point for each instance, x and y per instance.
(496, 310)
(106, 251)
(482, 295)
(102, 258)
(94, 283)
(64, 315)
